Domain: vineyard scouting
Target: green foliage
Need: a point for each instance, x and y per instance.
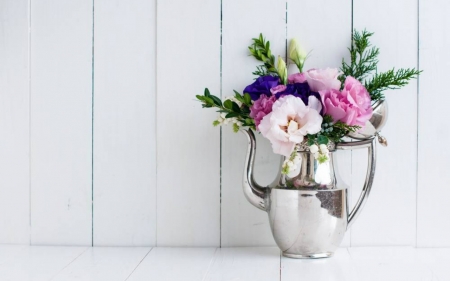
(389, 80)
(331, 131)
(231, 108)
(364, 61)
(260, 49)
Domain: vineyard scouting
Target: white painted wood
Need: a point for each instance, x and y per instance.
(14, 122)
(433, 211)
(9, 252)
(39, 263)
(437, 259)
(243, 224)
(389, 217)
(326, 41)
(245, 263)
(188, 155)
(124, 123)
(61, 94)
(104, 263)
(390, 264)
(339, 267)
(175, 264)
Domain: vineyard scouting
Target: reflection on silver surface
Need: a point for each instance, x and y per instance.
(308, 209)
(375, 124)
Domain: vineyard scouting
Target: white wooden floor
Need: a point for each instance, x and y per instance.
(23, 263)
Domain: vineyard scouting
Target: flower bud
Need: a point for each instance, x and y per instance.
(313, 148)
(296, 52)
(323, 148)
(282, 70)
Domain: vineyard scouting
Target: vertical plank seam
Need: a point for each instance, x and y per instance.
(417, 121)
(92, 127)
(220, 131)
(156, 123)
(351, 152)
(29, 119)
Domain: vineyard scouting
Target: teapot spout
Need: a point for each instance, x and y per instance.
(254, 193)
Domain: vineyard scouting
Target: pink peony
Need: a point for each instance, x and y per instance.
(351, 106)
(323, 79)
(296, 78)
(277, 89)
(261, 107)
(289, 122)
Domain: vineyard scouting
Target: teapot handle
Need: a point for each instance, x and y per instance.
(370, 145)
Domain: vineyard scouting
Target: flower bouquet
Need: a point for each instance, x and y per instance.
(312, 107)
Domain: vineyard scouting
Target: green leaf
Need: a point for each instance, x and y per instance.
(216, 123)
(216, 100)
(231, 115)
(201, 98)
(208, 100)
(235, 107)
(247, 99)
(235, 128)
(310, 140)
(322, 139)
(228, 104)
(207, 93)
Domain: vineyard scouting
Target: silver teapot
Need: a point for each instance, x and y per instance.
(308, 208)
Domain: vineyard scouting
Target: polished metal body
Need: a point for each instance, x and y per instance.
(375, 124)
(308, 208)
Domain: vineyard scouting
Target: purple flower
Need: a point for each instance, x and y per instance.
(261, 86)
(261, 107)
(299, 90)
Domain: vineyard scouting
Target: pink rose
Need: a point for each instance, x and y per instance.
(296, 78)
(261, 107)
(277, 89)
(351, 106)
(323, 79)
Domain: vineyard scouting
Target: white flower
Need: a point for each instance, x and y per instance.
(288, 123)
(232, 98)
(313, 148)
(323, 148)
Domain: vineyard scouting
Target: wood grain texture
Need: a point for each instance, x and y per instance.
(124, 161)
(14, 123)
(243, 224)
(389, 217)
(61, 122)
(188, 47)
(326, 41)
(433, 210)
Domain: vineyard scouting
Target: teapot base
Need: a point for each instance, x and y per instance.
(308, 256)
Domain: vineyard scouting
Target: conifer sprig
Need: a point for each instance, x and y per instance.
(363, 62)
(260, 50)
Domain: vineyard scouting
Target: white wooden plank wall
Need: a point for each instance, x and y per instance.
(103, 143)
(124, 183)
(61, 122)
(389, 217)
(433, 210)
(14, 122)
(188, 154)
